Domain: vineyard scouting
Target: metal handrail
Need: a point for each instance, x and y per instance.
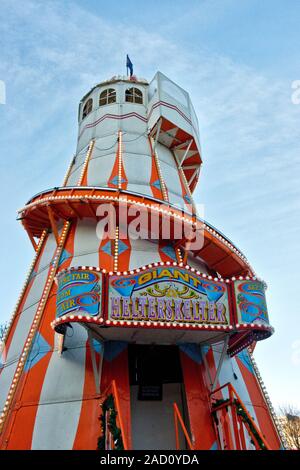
(177, 416)
(112, 387)
(234, 395)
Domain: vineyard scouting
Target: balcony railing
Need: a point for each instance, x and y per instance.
(178, 418)
(235, 427)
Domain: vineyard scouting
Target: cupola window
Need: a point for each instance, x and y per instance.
(107, 97)
(87, 108)
(134, 95)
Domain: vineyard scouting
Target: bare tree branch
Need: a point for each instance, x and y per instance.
(290, 421)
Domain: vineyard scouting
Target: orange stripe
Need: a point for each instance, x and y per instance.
(114, 173)
(20, 424)
(261, 409)
(156, 192)
(106, 261)
(198, 404)
(89, 428)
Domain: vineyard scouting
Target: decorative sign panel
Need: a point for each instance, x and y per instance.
(79, 293)
(250, 302)
(168, 294)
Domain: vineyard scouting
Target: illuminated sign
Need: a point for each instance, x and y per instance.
(164, 296)
(79, 292)
(168, 294)
(250, 302)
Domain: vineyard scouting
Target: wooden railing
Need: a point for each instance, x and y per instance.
(240, 418)
(112, 389)
(178, 417)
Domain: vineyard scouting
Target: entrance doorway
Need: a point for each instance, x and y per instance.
(155, 384)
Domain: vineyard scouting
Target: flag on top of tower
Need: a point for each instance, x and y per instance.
(129, 65)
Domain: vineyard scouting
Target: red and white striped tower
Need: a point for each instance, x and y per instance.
(155, 326)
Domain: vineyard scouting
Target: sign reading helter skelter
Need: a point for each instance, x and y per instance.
(161, 295)
(168, 294)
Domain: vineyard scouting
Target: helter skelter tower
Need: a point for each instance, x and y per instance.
(154, 333)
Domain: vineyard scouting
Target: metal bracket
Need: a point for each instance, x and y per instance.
(186, 152)
(157, 134)
(97, 370)
(221, 361)
(206, 364)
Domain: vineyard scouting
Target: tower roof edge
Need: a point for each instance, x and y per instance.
(115, 79)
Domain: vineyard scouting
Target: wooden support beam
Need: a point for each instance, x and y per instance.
(35, 227)
(187, 241)
(182, 145)
(53, 224)
(58, 213)
(40, 214)
(87, 204)
(73, 210)
(92, 211)
(186, 251)
(34, 244)
(190, 167)
(186, 152)
(190, 181)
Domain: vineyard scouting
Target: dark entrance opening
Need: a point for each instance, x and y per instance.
(156, 382)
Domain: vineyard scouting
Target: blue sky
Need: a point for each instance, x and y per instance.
(237, 60)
